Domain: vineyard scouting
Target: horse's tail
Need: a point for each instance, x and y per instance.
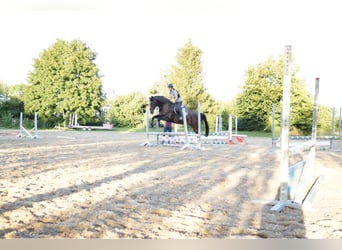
(204, 118)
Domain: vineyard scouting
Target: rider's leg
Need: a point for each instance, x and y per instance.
(180, 110)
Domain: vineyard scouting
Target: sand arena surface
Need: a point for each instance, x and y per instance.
(91, 184)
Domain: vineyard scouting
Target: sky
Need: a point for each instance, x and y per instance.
(137, 40)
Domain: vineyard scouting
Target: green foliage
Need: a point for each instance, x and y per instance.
(64, 81)
(262, 88)
(9, 109)
(324, 120)
(128, 110)
(11, 105)
(6, 119)
(4, 90)
(159, 88)
(301, 108)
(187, 77)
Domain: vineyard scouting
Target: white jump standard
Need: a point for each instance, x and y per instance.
(23, 132)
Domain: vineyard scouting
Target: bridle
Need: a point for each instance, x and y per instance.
(153, 105)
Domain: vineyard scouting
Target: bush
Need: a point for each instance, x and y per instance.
(6, 119)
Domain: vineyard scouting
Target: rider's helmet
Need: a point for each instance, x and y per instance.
(170, 85)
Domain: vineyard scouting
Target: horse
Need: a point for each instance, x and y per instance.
(167, 112)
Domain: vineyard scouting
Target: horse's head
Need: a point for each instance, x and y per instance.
(153, 104)
(160, 102)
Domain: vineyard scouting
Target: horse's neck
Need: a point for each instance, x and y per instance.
(163, 100)
(164, 106)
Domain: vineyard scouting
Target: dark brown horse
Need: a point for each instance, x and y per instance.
(167, 112)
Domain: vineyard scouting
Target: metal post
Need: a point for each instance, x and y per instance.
(284, 150)
(220, 124)
(314, 124)
(157, 121)
(284, 137)
(187, 143)
(185, 124)
(147, 142)
(339, 128)
(273, 132)
(35, 126)
(332, 127)
(199, 123)
(230, 130)
(21, 125)
(216, 125)
(310, 168)
(236, 125)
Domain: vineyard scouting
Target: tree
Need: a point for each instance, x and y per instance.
(65, 80)
(262, 88)
(187, 77)
(4, 91)
(128, 110)
(159, 87)
(9, 106)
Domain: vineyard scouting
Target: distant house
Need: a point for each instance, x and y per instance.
(4, 98)
(105, 108)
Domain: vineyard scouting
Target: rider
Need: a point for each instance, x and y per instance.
(177, 99)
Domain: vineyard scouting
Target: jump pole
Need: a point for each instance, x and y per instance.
(199, 123)
(147, 142)
(332, 127)
(236, 125)
(21, 134)
(284, 138)
(220, 123)
(35, 125)
(216, 125)
(310, 171)
(230, 129)
(187, 143)
(273, 124)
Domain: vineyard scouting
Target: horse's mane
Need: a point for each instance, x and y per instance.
(161, 98)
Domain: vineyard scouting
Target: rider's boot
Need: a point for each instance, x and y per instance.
(180, 114)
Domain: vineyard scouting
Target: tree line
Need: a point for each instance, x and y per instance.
(65, 80)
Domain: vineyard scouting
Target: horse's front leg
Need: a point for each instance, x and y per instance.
(154, 117)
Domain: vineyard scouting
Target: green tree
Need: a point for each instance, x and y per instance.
(159, 87)
(128, 110)
(187, 77)
(324, 120)
(4, 91)
(9, 106)
(262, 88)
(65, 80)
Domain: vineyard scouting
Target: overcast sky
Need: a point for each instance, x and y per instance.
(137, 40)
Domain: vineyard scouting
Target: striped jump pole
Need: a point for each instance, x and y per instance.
(284, 138)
